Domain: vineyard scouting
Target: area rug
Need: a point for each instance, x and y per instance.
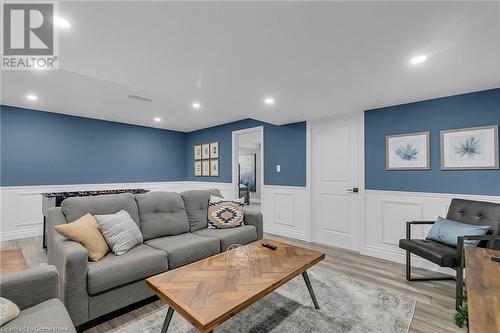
(347, 305)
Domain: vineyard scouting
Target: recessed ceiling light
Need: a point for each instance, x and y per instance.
(418, 59)
(31, 97)
(196, 105)
(60, 22)
(269, 101)
(157, 119)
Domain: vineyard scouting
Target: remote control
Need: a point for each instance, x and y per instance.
(270, 246)
(497, 259)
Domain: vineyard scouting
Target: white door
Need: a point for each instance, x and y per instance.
(335, 169)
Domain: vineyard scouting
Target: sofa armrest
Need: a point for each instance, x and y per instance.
(410, 223)
(255, 219)
(71, 260)
(30, 287)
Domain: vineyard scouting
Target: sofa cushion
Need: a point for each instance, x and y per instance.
(48, 314)
(112, 271)
(196, 203)
(185, 248)
(225, 213)
(440, 254)
(240, 235)
(162, 214)
(76, 207)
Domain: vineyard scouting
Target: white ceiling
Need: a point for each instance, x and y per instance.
(317, 59)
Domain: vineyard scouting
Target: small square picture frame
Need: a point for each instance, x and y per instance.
(214, 150)
(214, 168)
(197, 152)
(205, 168)
(197, 168)
(205, 151)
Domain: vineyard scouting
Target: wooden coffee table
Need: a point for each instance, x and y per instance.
(208, 292)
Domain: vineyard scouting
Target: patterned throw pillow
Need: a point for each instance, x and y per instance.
(225, 213)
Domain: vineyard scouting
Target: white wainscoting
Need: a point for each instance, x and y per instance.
(21, 206)
(386, 214)
(286, 211)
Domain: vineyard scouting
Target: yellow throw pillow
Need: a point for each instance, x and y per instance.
(85, 231)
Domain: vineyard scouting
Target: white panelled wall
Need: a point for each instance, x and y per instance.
(386, 214)
(21, 206)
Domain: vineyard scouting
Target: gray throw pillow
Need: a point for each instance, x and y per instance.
(120, 231)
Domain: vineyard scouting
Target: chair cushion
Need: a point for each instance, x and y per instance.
(76, 207)
(48, 314)
(240, 235)
(447, 232)
(162, 214)
(477, 212)
(185, 248)
(196, 203)
(112, 271)
(440, 254)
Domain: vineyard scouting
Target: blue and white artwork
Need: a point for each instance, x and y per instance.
(470, 148)
(407, 151)
(248, 171)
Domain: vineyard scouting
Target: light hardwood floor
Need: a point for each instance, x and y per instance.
(435, 299)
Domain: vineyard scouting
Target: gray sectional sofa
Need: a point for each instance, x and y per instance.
(35, 292)
(174, 228)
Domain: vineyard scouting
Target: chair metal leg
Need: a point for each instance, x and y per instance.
(408, 265)
(310, 288)
(460, 287)
(408, 272)
(168, 318)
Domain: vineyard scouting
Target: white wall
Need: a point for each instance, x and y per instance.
(21, 206)
(286, 211)
(386, 214)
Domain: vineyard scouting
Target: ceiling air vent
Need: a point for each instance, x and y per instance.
(140, 98)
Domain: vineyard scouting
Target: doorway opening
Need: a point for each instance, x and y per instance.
(248, 166)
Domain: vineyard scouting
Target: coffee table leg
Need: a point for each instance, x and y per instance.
(310, 288)
(168, 318)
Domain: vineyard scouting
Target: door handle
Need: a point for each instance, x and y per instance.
(353, 190)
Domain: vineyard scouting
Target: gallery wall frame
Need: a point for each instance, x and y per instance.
(470, 148)
(206, 159)
(408, 151)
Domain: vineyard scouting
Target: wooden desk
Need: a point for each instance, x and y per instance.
(483, 290)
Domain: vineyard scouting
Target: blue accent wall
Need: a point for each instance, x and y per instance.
(460, 111)
(284, 145)
(42, 148)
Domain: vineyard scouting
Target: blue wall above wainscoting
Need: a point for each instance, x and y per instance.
(284, 145)
(460, 111)
(43, 148)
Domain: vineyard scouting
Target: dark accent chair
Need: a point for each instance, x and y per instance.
(463, 211)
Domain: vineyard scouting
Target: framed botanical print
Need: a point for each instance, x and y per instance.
(214, 167)
(214, 150)
(197, 152)
(197, 168)
(205, 151)
(205, 168)
(407, 151)
(470, 148)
